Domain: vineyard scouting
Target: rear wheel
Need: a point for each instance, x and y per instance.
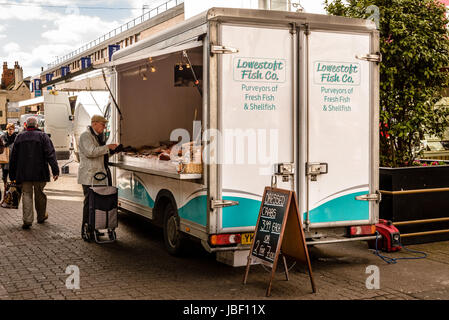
(86, 233)
(173, 238)
(112, 235)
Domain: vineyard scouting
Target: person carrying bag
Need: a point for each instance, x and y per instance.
(94, 157)
(11, 191)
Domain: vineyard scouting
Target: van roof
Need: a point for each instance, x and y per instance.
(196, 26)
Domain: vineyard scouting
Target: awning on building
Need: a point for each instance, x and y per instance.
(31, 102)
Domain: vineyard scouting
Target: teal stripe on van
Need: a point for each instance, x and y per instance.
(344, 208)
(137, 193)
(195, 210)
(243, 215)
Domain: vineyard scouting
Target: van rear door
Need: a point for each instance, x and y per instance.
(58, 123)
(341, 129)
(256, 119)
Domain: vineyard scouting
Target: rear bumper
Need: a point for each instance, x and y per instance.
(237, 247)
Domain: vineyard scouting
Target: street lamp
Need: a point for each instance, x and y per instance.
(145, 7)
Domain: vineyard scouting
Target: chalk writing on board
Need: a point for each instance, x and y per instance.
(269, 226)
(275, 199)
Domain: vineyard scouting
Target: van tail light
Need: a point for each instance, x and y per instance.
(362, 230)
(224, 239)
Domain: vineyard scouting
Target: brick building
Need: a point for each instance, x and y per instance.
(7, 75)
(13, 89)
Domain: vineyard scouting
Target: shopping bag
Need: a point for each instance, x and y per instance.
(103, 203)
(13, 193)
(4, 157)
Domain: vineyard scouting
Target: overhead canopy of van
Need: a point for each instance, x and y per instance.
(154, 52)
(183, 36)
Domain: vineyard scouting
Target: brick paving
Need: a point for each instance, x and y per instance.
(33, 264)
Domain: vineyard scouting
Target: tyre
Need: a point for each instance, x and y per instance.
(173, 238)
(86, 234)
(112, 235)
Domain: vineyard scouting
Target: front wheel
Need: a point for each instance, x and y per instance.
(173, 238)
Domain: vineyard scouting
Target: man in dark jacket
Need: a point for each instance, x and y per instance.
(32, 153)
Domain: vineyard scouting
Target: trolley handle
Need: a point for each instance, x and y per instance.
(99, 176)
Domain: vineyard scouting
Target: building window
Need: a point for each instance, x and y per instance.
(1, 113)
(137, 37)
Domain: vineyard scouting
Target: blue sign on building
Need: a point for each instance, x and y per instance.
(48, 77)
(113, 48)
(37, 84)
(65, 71)
(85, 62)
(38, 93)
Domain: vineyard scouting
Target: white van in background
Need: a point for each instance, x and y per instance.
(57, 119)
(88, 103)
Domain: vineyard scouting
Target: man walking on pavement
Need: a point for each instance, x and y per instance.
(32, 153)
(94, 157)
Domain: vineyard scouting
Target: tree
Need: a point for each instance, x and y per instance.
(414, 43)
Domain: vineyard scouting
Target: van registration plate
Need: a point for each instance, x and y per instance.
(247, 238)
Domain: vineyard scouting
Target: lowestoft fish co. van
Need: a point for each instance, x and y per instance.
(216, 108)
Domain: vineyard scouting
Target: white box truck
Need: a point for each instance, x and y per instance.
(57, 119)
(273, 98)
(88, 103)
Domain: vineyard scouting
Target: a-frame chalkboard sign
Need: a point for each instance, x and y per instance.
(278, 232)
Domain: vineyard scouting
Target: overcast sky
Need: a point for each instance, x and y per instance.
(35, 32)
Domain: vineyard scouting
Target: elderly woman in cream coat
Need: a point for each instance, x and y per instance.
(94, 154)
